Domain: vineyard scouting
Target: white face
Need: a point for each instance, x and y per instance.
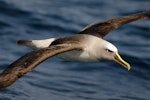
(109, 51)
(106, 51)
(101, 49)
(111, 47)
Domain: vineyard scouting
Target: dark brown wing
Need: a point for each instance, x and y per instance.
(29, 61)
(103, 28)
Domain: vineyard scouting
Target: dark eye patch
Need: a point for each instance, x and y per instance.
(109, 51)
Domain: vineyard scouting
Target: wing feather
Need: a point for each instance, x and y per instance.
(29, 61)
(101, 29)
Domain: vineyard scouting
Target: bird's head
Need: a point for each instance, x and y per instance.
(110, 52)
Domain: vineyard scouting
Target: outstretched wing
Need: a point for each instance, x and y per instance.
(103, 28)
(29, 61)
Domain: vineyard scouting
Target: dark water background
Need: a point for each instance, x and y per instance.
(56, 79)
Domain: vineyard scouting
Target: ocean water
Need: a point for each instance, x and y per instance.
(56, 79)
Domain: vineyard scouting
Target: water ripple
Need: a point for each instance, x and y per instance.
(57, 79)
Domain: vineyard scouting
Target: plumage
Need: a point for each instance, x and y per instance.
(29, 61)
(101, 29)
(86, 46)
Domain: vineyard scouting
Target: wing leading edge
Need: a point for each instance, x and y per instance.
(101, 29)
(29, 61)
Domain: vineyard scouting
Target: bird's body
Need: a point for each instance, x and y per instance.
(87, 46)
(91, 46)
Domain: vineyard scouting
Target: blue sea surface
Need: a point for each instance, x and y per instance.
(56, 79)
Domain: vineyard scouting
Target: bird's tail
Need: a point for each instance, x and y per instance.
(27, 43)
(36, 44)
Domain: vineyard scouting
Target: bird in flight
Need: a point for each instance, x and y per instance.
(87, 46)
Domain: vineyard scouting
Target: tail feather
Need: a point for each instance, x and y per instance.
(36, 44)
(25, 42)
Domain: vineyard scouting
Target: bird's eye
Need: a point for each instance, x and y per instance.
(109, 51)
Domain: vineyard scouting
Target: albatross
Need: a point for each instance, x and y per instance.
(87, 46)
